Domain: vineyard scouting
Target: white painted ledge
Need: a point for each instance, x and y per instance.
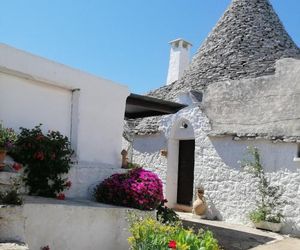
(13, 246)
(296, 159)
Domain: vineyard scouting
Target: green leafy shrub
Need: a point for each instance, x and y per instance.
(46, 157)
(166, 215)
(148, 233)
(7, 138)
(12, 196)
(269, 197)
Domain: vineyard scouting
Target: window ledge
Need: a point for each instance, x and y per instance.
(296, 159)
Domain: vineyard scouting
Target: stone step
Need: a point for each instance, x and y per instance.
(13, 246)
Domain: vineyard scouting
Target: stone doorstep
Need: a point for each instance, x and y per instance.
(226, 225)
(13, 246)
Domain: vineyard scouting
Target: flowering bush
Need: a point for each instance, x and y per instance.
(148, 233)
(138, 188)
(7, 138)
(45, 159)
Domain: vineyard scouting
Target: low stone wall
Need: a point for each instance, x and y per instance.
(65, 225)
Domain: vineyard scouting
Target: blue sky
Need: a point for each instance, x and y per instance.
(122, 40)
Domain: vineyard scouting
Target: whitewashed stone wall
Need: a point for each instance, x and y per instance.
(66, 225)
(147, 153)
(86, 175)
(229, 190)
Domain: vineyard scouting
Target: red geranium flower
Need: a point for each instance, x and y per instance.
(61, 196)
(39, 137)
(68, 184)
(172, 244)
(39, 155)
(17, 166)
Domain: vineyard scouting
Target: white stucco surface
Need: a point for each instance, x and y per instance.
(27, 103)
(35, 90)
(88, 109)
(229, 190)
(65, 225)
(179, 59)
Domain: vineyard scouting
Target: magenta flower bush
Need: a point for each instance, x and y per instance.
(138, 188)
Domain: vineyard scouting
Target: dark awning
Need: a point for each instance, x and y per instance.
(139, 106)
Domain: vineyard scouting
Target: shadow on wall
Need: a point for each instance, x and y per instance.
(150, 144)
(212, 212)
(275, 156)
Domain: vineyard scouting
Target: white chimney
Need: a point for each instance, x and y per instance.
(179, 59)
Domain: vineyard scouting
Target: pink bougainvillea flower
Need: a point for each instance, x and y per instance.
(17, 166)
(61, 196)
(172, 244)
(138, 188)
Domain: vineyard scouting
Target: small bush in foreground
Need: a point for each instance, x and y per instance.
(138, 188)
(148, 233)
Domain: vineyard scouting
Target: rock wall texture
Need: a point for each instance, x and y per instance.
(245, 43)
(264, 105)
(230, 191)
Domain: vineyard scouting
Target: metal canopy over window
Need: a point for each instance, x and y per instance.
(139, 106)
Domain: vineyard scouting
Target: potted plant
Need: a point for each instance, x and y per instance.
(267, 214)
(7, 140)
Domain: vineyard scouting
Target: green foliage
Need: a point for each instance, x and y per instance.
(132, 165)
(148, 233)
(7, 138)
(166, 215)
(269, 203)
(45, 158)
(12, 196)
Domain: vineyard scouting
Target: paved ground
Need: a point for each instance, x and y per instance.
(285, 244)
(239, 237)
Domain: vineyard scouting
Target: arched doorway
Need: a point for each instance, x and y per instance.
(180, 170)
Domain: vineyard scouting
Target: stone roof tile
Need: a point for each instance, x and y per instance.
(245, 43)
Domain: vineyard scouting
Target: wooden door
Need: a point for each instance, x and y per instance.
(186, 172)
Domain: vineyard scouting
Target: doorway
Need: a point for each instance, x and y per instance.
(186, 160)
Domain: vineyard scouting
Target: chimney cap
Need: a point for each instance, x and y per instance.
(184, 42)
